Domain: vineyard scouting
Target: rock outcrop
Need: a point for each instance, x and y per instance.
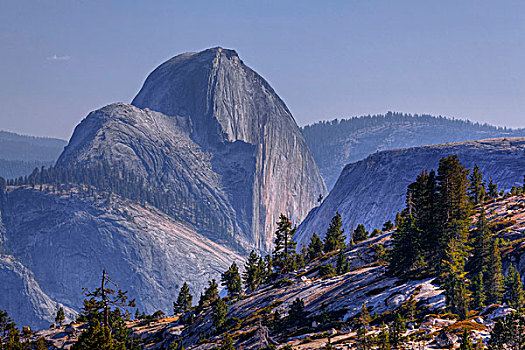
(373, 190)
(221, 142)
(333, 304)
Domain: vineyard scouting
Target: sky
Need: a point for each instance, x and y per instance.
(59, 60)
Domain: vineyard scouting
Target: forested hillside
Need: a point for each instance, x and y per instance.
(338, 142)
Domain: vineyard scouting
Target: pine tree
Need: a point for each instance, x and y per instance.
(219, 311)
(508, 333)
(253, 273)
(476, 186)
(300, 261)
(104, 311)
(211, 294)
(493, 189)
(315, 248)
(60, 316)
(284, 250)
(184, 300)
(418, 228)
(266, 268)
(482, 243)
(494, 275)
(456, 283)
(296, 315)
(406, 247)
(363, 321)
(426, 201)
(375, 232)
(454, 209)
(335, 237)
(232, 280)
(397, 330)
(478, 292)
(387, 226)
(384, 339)
(97, 336)
(514, 289)
(343, 265)
(360, 234)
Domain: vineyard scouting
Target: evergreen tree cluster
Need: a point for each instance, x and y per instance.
(12, 339)
(95, 176)
(433, 237)
(105, 310)
(433, 228)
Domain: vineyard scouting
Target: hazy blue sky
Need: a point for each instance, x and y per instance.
(326, 59)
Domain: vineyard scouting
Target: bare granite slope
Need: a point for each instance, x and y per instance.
(61, 243)
(205, 130)
(373, 190)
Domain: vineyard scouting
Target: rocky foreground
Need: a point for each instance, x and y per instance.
(332, 304)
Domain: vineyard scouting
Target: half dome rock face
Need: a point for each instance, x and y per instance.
(228, 102)
(220, 142)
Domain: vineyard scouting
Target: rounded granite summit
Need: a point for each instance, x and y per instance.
(211, 132)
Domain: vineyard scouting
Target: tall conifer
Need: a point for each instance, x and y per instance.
(232, 280)
(335, 237)
(514, 289)
(476, 186)
(494, 275)
(184, 300)
(284, 244)
(315, 248)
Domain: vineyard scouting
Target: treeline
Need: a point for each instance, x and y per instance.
(10, 169)
(96, 176)
(343, 127)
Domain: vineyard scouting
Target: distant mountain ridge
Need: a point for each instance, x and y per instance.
(15, 146)
(20, 154)
(339, 142)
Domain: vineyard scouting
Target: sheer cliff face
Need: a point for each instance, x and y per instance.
(220, 138)
(373, 190)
